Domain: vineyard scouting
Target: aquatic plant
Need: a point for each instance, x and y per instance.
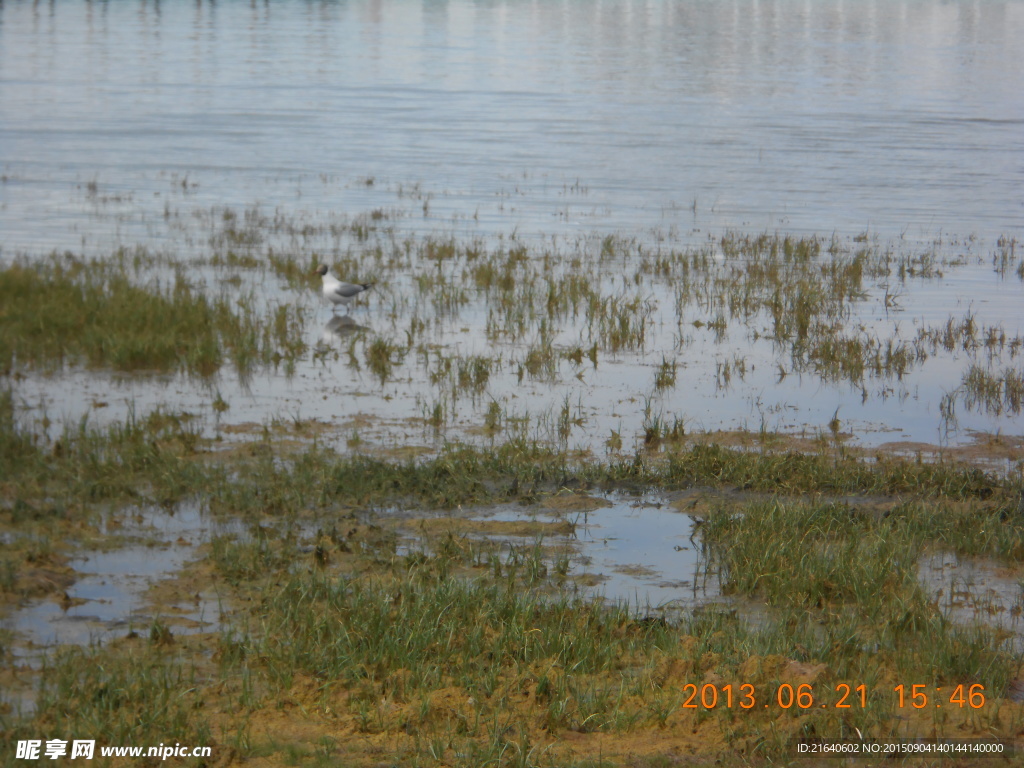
(65, 310)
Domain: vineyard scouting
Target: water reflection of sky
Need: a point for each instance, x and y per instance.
(899, 117)
(108, 597)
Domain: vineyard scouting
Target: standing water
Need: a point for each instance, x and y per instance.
(336, 131)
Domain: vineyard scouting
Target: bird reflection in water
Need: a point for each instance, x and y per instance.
(339, 328)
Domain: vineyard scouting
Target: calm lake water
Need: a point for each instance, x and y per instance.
(809, 116)
(675, 121)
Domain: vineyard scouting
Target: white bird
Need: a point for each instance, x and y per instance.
(338, 292)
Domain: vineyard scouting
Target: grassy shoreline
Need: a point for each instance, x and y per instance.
(359, 652)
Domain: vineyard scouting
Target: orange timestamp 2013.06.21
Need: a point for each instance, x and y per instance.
(839, 696)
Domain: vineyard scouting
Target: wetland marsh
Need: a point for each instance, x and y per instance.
(674, 397)
(285, 589)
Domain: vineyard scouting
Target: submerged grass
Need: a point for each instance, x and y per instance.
(163, 456)
(463, 475)
(147, 458)
(68, 310)
(805, 304)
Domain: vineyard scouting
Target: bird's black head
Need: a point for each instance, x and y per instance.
(321, 270)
